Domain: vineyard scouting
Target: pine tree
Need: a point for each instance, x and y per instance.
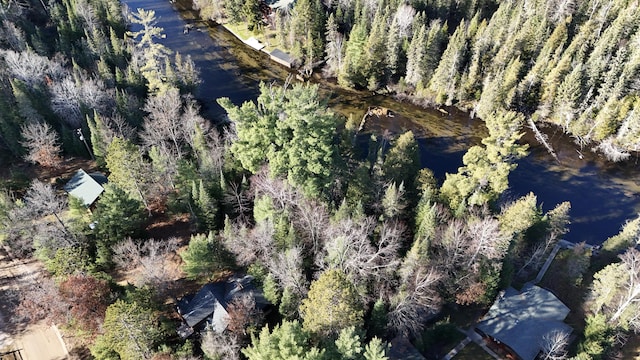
(332, 304)
(153, 55)
(485, 173)
(393, 49)
(99, 142)
(353, 71)
(376, 50)
(444, 81)
(284, 342)
(205, 257)
(127, 168)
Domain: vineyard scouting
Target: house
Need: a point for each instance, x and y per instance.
(282, 58)
(518, 320)
(86, 187)
(209, 305)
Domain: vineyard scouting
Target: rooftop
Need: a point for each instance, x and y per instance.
(212, 300)
(86, 187)
(521, 319)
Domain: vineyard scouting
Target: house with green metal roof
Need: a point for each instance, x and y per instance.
(519, 320)
(86, 187)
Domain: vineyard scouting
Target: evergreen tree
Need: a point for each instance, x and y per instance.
(444, 81)
(332, 304)
(152, 54)
(127, 168)
(375, 350)
(402, 162)
(393, 49)
(131, 330)
(376, 50)
(116, 217)
(300, 146)
(98, 137)
(484, 175)
(205, 257)
(286, 341)
(354, 66)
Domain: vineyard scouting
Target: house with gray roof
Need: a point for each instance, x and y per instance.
(86, 187)
(518, 320)
(208, 307)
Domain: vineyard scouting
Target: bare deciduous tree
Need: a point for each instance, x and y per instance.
(417, 299)
(250, 245)
(352, 248)
(42, 144)
(466, 250)
(288, 268)
(237, 196)
(404, 18)
(41, 200)
(42, 300)
(32, 68)
(554, 345)
(311, 218)
(224, 345)
(150, 258)
(163, 126)
(69, 98)
(243, 314)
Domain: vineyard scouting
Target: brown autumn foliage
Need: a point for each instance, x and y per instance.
(80, 300)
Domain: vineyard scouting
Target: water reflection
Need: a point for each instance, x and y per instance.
(603, 195)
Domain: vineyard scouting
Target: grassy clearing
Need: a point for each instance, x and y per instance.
(265, 35)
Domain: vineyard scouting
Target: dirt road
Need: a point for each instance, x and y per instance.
(35, 342)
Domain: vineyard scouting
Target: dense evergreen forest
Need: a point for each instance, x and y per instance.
(352, 245)
(570, 63)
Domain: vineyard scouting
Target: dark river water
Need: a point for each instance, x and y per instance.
(603, 195)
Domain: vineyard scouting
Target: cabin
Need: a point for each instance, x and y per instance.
(282, 58)
(518, 321)
(208, 307)
(86, 187)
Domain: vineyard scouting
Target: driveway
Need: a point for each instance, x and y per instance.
(35, 342)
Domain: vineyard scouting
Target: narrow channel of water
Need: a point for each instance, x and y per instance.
(603, 195)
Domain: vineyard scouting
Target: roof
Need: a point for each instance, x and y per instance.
(86, 187)
(520, 320)
(281, 57)
(254, 43)
(202, 304)
(402, 349)
(212, 301)
(282, 4)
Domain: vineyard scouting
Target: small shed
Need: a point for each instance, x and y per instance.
(282, 58)
(86, 187)
(519, 320)
(211, 301)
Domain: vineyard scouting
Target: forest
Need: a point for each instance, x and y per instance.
(352, 243)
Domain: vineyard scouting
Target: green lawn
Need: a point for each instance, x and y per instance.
(265, 36)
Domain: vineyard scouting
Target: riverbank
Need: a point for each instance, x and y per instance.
(603, 195)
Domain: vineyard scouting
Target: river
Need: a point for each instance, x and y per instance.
(603, 195)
